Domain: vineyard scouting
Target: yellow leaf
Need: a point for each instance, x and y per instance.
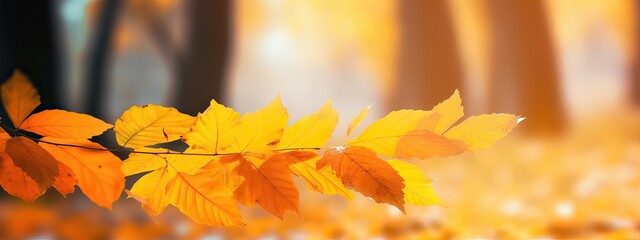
(360, 169)
(425, 144)
(143, 162)
(19, 97)
(190, 161)
(260, 131)
(311, 131)
(204, 198)
(357, 120)
(16, 182)
(36, 162)
(213, 129)
(98, 170)
(382, 135)
(482, 131)
(64, 124)
(323, 180)
(449, 112)
(269, 185)
(152, 187)
(145, 126)
(417, 187)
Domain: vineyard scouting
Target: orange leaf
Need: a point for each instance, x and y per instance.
(36, 162)
(294, 157)
(98, 170)
(64, 124)
(269, 185)
(19, 97)
(16, 182)
(425, 144)
(4, 137)
(65, 183)
(360, 169)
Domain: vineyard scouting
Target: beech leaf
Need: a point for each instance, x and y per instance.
(19, 97)
(204, 198)
(360, 169)
(36, 162)
(64, 124)
(147, 125)
(98, 171)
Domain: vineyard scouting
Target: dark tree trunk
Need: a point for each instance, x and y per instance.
(28, 43)
(429, 65)
(202, 71)
(525, 76)
(98, 57)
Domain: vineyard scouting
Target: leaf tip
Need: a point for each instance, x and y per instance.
(370, 105)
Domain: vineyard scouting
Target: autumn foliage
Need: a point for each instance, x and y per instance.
(231, 158)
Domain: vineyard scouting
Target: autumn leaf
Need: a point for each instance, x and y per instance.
(360, 169)
(4, 137)
(98, 170)
(204, 198)
(311, 131)
(357, 120)
(269, 185)
(293, 157)
(417, 189)
(260, 131)
(145, 126)
(323, 180)
(141, 161)
(213, 129)
(36, 162)
(64, 124)
(231, 158)
(482, 131)
(19, 97)
(382, 135)
(190, 161)
(425, 144)
(16, 182)
(152, 188)
(449, 111)
(65, 183)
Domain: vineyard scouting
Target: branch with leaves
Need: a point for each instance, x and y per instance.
(231, 157)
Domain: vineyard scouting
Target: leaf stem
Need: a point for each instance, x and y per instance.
(17, 132)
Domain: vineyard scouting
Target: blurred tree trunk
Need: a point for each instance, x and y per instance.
(635, 67)
(28, 43)
(202, 70)
(98, 57)
(429, 63)
(525, 76)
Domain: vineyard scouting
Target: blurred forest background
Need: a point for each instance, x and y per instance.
(571, 170)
